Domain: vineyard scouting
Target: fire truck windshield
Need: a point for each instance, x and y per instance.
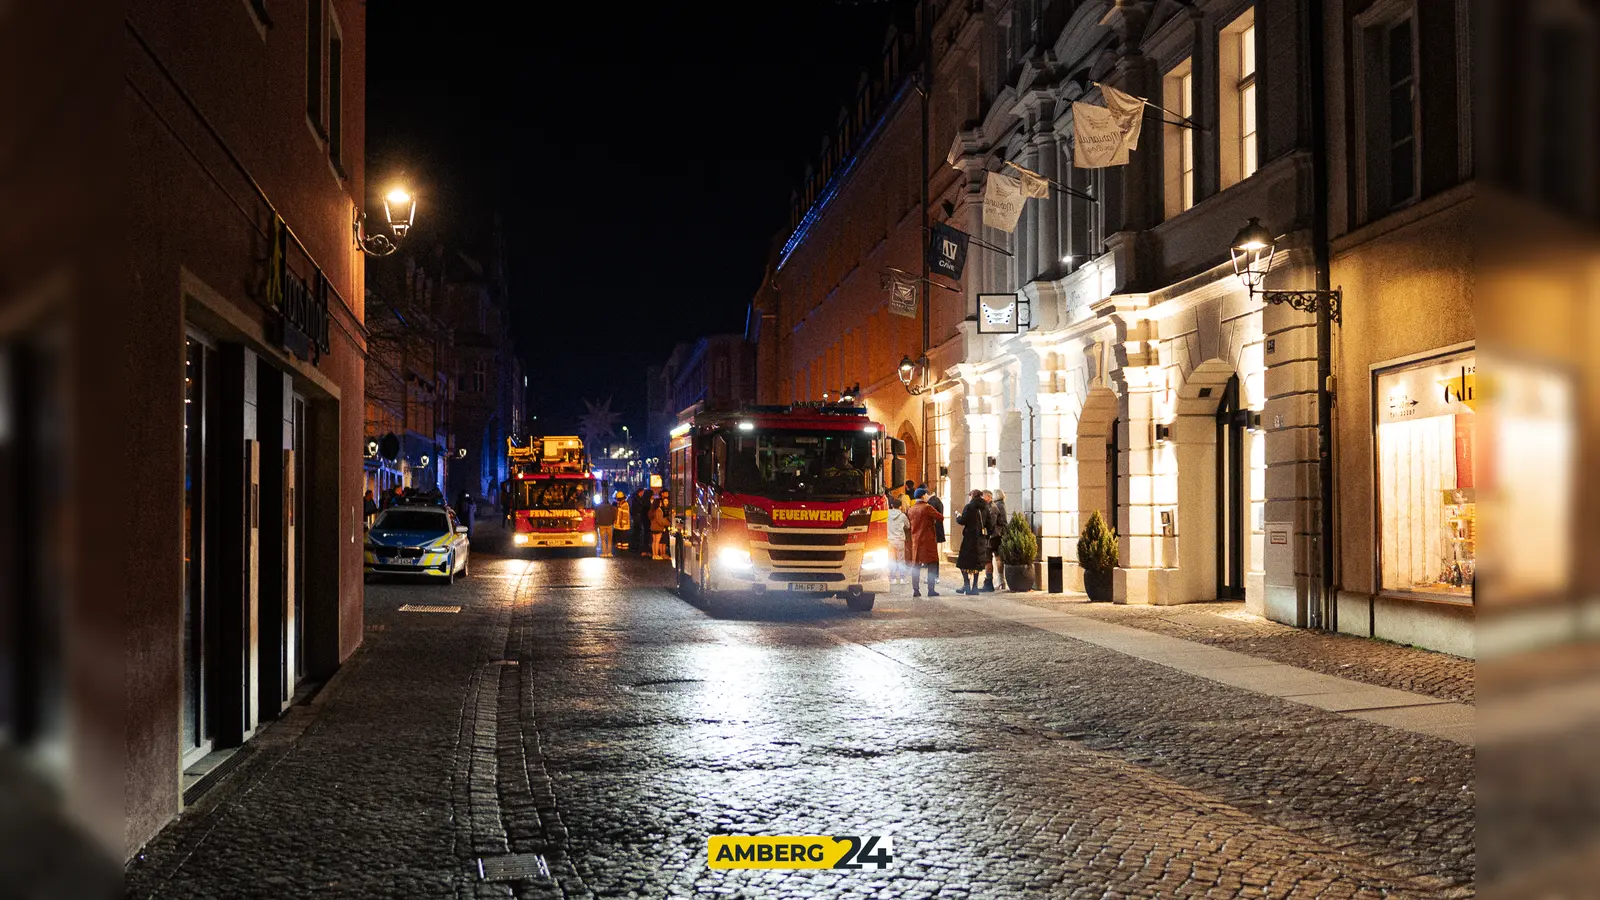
(554, 495)
(801, 464)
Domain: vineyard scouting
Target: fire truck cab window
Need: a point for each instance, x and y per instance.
(554, 495)
(802, 464)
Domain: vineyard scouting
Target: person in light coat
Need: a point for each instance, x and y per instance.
(899, 531)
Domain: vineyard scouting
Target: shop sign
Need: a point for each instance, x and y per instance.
(302, 305)
(1445, 388)
(1002, 313)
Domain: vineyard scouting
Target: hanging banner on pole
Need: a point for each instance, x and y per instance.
(947, 250)
(1129, 111)
(1034, 185)
(902, 295)
(1002, 201)
(1096, 137)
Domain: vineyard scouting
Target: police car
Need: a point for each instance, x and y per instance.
(417, 540)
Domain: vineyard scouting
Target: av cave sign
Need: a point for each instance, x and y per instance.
(302, 303)
(305, 317)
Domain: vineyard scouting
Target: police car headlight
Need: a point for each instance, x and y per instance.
(874, 560)
(734, 558)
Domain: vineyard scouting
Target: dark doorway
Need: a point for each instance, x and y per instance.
(297, 537)
(199, 377)
(1232, 421)
(1113, 475)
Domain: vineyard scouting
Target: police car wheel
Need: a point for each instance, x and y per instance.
(860, 602)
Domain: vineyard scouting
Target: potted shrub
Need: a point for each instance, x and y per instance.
(1097, 554)
(1019, 549)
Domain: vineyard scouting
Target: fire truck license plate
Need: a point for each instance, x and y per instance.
(807, 586)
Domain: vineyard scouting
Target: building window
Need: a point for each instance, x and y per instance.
(314, 62)
(1236, 47)
(1387, 114)
(1427, 499)
(1560, 92)
(335, 95)
(476, 377)
(1178, 142)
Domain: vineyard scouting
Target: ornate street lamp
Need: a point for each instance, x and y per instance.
(399, 211)
(914, 374)
(1252, 259)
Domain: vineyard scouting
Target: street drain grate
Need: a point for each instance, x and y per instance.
(421, 607)
(516, 867)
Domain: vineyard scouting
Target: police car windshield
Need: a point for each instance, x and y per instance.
(791, 464)
(411, 520)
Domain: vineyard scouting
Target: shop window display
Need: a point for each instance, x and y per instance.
(1427, 498)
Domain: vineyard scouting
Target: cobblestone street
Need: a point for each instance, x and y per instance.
(578, 709)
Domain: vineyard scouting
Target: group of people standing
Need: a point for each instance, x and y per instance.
(916, 531)
(639, 521)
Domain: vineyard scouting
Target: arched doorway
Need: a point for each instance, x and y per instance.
(1233, 472)
(1099, 455)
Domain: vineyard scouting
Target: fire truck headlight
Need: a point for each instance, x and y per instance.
(519, 540)
(873, 560)
(588, 537)
(736, 559)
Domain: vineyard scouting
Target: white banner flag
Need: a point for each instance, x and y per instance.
(1129, 111)
(1096, 137)
(1034, 185)
(1002, 201)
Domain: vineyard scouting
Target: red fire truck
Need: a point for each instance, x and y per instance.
(783, 500)
(552, 493)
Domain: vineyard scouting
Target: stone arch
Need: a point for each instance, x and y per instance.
(914, 461)
(1097, 431)
(1198, 518)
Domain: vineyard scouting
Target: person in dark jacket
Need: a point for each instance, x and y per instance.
(938, 507)
(639, 518)
(466, 510)
(997, 525)
(974, 555)
(605, 519)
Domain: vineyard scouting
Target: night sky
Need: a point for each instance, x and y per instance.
(641, 157)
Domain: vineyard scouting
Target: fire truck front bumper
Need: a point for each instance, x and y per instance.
(759, 573)
(547, 539)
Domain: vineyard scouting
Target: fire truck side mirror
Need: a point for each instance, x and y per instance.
(898, 467)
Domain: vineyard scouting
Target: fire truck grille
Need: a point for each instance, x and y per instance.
(807, 555)
(807, 539)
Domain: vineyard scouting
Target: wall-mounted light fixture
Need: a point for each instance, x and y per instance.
(1252, 251)
(914, 374)
(399, 211)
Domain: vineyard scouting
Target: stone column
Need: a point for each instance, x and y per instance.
(1289, 420)
(1047, 232)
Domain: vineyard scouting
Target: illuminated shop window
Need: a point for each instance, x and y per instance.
(1427, 500)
